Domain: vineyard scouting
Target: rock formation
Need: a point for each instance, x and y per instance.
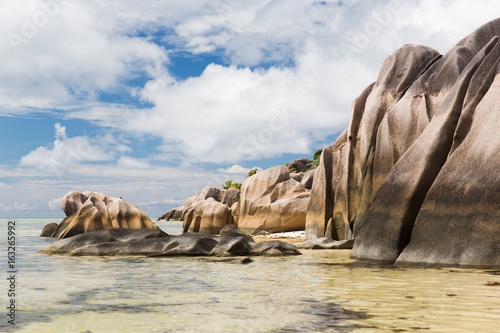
(272, 201)
(299, 165)
(91, 211)
(206, 217)
(49, 230)
(149, 242)
(175, 214)
(209, 210)
(414, 177)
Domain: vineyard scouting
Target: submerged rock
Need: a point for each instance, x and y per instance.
(148, 242)
(325, 243)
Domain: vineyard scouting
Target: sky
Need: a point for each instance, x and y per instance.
(154, 100)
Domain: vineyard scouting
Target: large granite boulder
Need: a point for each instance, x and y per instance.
(300, 165)
(156, 243)
(308, 179)
(175, 214)
(91, 211)
(347, 179)
(209, 210)
(436, 197)
(208, 192)
(231, 196)
(272, 201)
(328, 194)
(414, 176)
(206, 217)
(49, 230)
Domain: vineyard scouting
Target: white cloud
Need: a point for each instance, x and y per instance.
(54, 204)
(68, 58)
(238, 169)
(227, 114)
(133, 163)
(67, 153)
(16, 207)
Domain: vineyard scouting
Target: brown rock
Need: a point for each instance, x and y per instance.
(299, 165)
(49, 230)
(206, 217)
(175, 214)
(327, 194)
(208, 192)
(231, 196)
(428, 197)
(90, 211)
(307, 179)
(271, 201)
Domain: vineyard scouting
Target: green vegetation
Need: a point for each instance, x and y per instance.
(252, 172)
(229, 184)
(316, 156)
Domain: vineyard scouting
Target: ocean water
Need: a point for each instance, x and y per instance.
(320, 291)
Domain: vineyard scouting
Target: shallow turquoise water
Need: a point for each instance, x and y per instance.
(320, 291)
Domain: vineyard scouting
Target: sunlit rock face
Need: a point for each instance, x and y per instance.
(272, 201)
(209, 210)
(415, 178)
(91, 211)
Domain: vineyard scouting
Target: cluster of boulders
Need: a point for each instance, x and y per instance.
(273, 200)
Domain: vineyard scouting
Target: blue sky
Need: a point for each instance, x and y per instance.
(153, 100)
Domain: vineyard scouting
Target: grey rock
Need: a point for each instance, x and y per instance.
(325, 243)
(300, 165)
(156, 243)
(49, 230)
(175, 214)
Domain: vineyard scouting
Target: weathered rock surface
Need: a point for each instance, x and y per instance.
(415, 177)
(328, 194)
(231, 196)
(308, 179)
(148, 242)
(206, 217)
(175, 214)
(91, 211)
(208, 192)
(272, 201)
(208, 211)
(49, 230)
(300, 165)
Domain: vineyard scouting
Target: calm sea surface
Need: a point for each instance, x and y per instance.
(320, 291)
